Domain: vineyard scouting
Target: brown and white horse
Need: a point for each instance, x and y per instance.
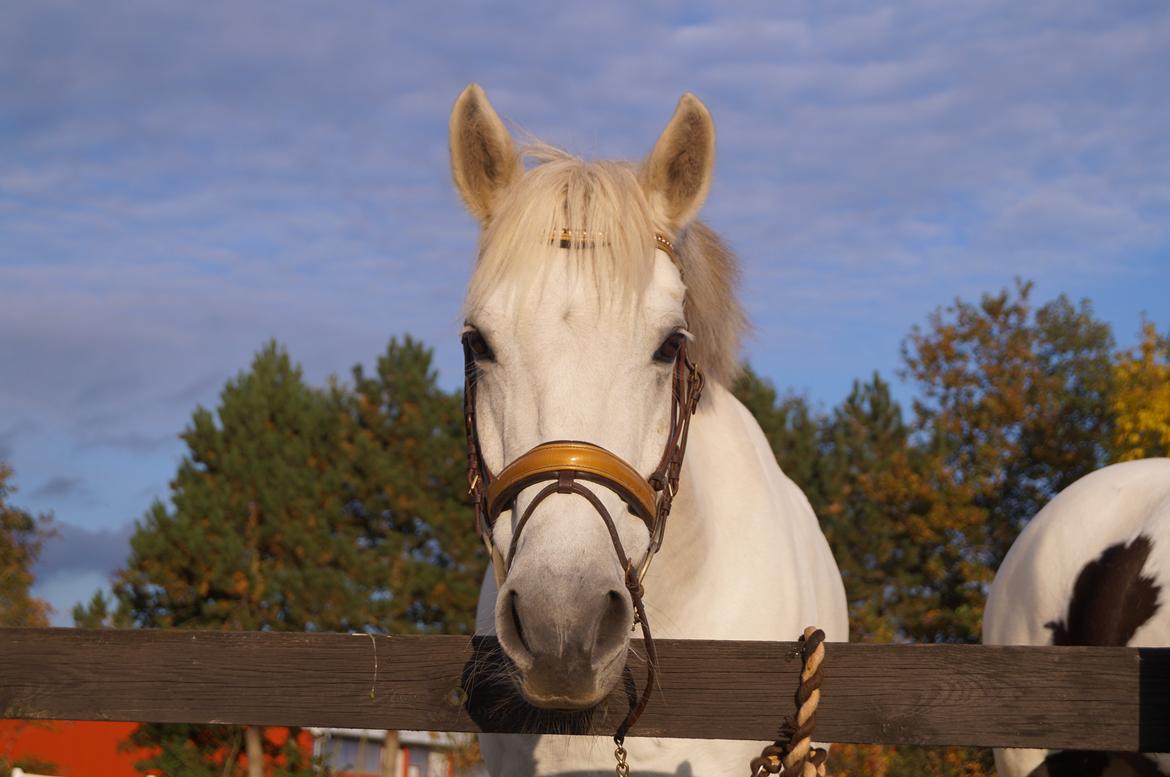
(1090, 569)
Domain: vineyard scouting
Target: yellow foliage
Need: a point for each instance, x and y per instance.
(888, 761)
(1141, 398)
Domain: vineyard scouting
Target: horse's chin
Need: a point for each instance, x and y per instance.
(569, 688)
(560, 703)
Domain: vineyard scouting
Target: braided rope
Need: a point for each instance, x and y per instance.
(793, 754)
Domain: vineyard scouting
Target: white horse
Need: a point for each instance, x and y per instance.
(573, 335)
(1090, 569)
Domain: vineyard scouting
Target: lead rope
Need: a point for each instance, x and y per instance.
(793, 754)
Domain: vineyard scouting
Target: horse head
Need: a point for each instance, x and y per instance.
(579, 316)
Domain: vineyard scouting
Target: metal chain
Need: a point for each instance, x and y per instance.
(623, 768)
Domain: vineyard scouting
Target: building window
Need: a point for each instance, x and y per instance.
(427, 762)
(351, 755)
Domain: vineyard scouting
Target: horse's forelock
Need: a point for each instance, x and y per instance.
(604, 201)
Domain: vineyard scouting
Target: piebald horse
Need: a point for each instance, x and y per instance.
(595, 293)
(1090, 569)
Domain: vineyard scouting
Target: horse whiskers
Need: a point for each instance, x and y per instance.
(499, 680)
(643, 659)
(503, 673)
(660, 619)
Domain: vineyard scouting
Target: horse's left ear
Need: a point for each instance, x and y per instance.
(677, 175)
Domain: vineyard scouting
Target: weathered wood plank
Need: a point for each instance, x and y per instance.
(1087, 698)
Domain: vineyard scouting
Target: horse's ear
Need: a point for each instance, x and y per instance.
(484, 161)
(677, 175)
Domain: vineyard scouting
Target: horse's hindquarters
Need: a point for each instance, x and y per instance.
(1089, 569)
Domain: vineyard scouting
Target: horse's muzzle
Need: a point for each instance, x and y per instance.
(568, 646)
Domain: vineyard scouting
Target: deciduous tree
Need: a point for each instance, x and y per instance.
(1141, 398)
(22, 536)
(1015, 401)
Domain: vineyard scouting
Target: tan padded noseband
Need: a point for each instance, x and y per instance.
(586, 461)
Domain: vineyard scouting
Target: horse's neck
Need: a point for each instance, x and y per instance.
(732, 531)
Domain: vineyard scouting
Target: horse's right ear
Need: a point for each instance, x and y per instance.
(484, 161)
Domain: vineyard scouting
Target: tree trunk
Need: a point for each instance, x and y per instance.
(359, 765)
(254, 747)
(390, 755)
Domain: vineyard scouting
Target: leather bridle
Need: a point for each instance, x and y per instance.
(564, 462)
(569, 465)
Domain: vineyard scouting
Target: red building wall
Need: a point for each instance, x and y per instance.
(76, 748)
(83, 748)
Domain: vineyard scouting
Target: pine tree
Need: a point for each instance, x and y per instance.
(256, 537)
(405, 469)
(865, 438)
(301, 509)
(100, 613)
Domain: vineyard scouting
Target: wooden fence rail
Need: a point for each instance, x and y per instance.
(1082, 698)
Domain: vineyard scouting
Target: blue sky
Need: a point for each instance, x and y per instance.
(180, 182)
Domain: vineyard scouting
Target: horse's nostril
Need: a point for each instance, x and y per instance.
(515, 613)
(613, 629)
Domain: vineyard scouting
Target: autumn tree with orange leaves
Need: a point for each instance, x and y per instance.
(892, 514)
(1014, 404)
(1141, 398)
(1015, 401)
(22, 535)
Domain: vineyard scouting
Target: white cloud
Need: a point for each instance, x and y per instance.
(181, 182)
(68, 588)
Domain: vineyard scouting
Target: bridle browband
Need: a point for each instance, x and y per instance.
(568, 465)
(567, 238)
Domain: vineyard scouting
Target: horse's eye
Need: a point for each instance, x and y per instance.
(668, 351)
(478, 345)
